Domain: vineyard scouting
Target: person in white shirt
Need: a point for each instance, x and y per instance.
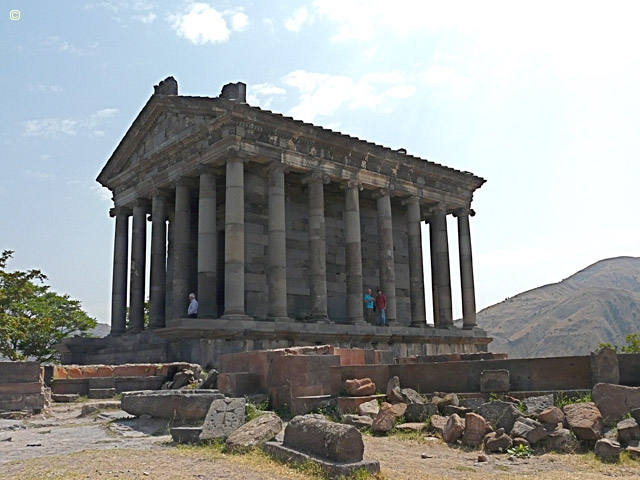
(192, 311)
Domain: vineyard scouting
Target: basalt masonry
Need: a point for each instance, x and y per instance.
(279, 227)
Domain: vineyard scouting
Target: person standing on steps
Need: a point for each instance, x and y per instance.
(192, 311)
(381, 307)
(368, 303)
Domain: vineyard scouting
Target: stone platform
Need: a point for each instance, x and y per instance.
(204, 340)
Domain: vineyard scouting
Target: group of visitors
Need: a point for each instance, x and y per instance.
(378, 304)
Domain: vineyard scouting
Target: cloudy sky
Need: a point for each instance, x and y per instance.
(541, 99)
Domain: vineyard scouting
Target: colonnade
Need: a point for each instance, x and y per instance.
(170, 269)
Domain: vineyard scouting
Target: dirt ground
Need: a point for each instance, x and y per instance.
(107, 444)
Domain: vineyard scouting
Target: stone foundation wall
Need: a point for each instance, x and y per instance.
(22, 387)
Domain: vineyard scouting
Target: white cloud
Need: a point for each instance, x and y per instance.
(321, 95)
(148, 18)
(60, 127)
(201, 24)
(101, 193)
(38, 174)
(239, 21)
(300, 18)
(263, 94)
(40, 88)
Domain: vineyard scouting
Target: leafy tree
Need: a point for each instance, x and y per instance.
(632, 344)
(32, 318)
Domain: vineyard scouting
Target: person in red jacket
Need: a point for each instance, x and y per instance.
(381, 307)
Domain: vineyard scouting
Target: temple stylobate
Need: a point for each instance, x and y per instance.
(279, 227)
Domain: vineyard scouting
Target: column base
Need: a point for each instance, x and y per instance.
(446, 327)
(236, 316)
(322, 319)
(469, 327)
(281, 319)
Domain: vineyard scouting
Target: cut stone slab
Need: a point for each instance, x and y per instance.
(394, 394)
(358, 421)
(65, 397)
(102, 393)
(333, 470)
(370, 408)
(315, 435)
(179, 405)
(411, 427)
(615, 401)
(453, 429)
(604, 366)
(498, 381)
(255, 433)
(225, 415)
(585, 420)
(410, 396)
(474, 429)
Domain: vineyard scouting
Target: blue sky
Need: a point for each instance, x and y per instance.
(541, 99)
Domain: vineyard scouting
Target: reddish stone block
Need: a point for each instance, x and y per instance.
(131, 370)
(59, 372)
(104, 371)
(74, 372)
(351, 356)
(88, 371)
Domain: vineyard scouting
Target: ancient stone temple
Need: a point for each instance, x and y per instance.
(278, 227)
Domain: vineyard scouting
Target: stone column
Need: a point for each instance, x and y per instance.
(317, 247)
(120, 264)
(181, 242)
(234, 239)
(466, 269)
(207, 246)
(442, 270)
(138, 266)
(386, 257)
(434, 269)
(158, 274)
(168, 305)
(416, 272)
(353, 253)
(277, 258)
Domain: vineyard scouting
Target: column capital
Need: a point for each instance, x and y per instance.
(161, 193)
(237, 157)
(204, 169)
(413, 200)
(464, 212)
(439, 209)
(185, 182)
(316, 177)
(116, 211)
(350, 184)
(277, 167)
(142, 202)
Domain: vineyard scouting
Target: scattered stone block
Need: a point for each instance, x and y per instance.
(628, 430)
(410, 396)
(351, 404)
(562, 440)
(211, 382)
(604, 366)
(420, 412)
(394, 393)
(65, 397)
(178, 405)
(633, 451)
(551, 415)
(615, 401)
(411, 427)
(585, 420)
(472, 403)
(453, 429)
(315, 435)
(225, 415)
(438, 422)
(358, 421)
(519, 441)
(498, 381)
(239, 383)
(500, 414)
(536, 405)
(185, 434)
(182, 379)
(607, 450)
(386, 418)
(474, 429)
(307, 404)
(528, 429)
(451, 409)
(255, 433)
(370, 408)
(360, 387)
(497, 441)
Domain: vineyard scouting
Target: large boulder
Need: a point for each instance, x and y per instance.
(584, 420)
(177, 405)
(358, 421)
(615, 401)
(410, 396)
(453, 429)
(628, 430)
(370, 408)
(562, 440)
(224, 417)
(254, 433)
(315, 435)
(608, 450)
(551, 415)
(386, 418)
(500, 414)
(528, 429)
(497, 441)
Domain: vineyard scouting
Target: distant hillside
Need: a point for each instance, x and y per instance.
(598, 304)
(101, 330)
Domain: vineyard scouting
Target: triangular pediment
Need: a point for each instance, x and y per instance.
(163, 122)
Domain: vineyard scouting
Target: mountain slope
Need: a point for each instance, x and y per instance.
(598, 304)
